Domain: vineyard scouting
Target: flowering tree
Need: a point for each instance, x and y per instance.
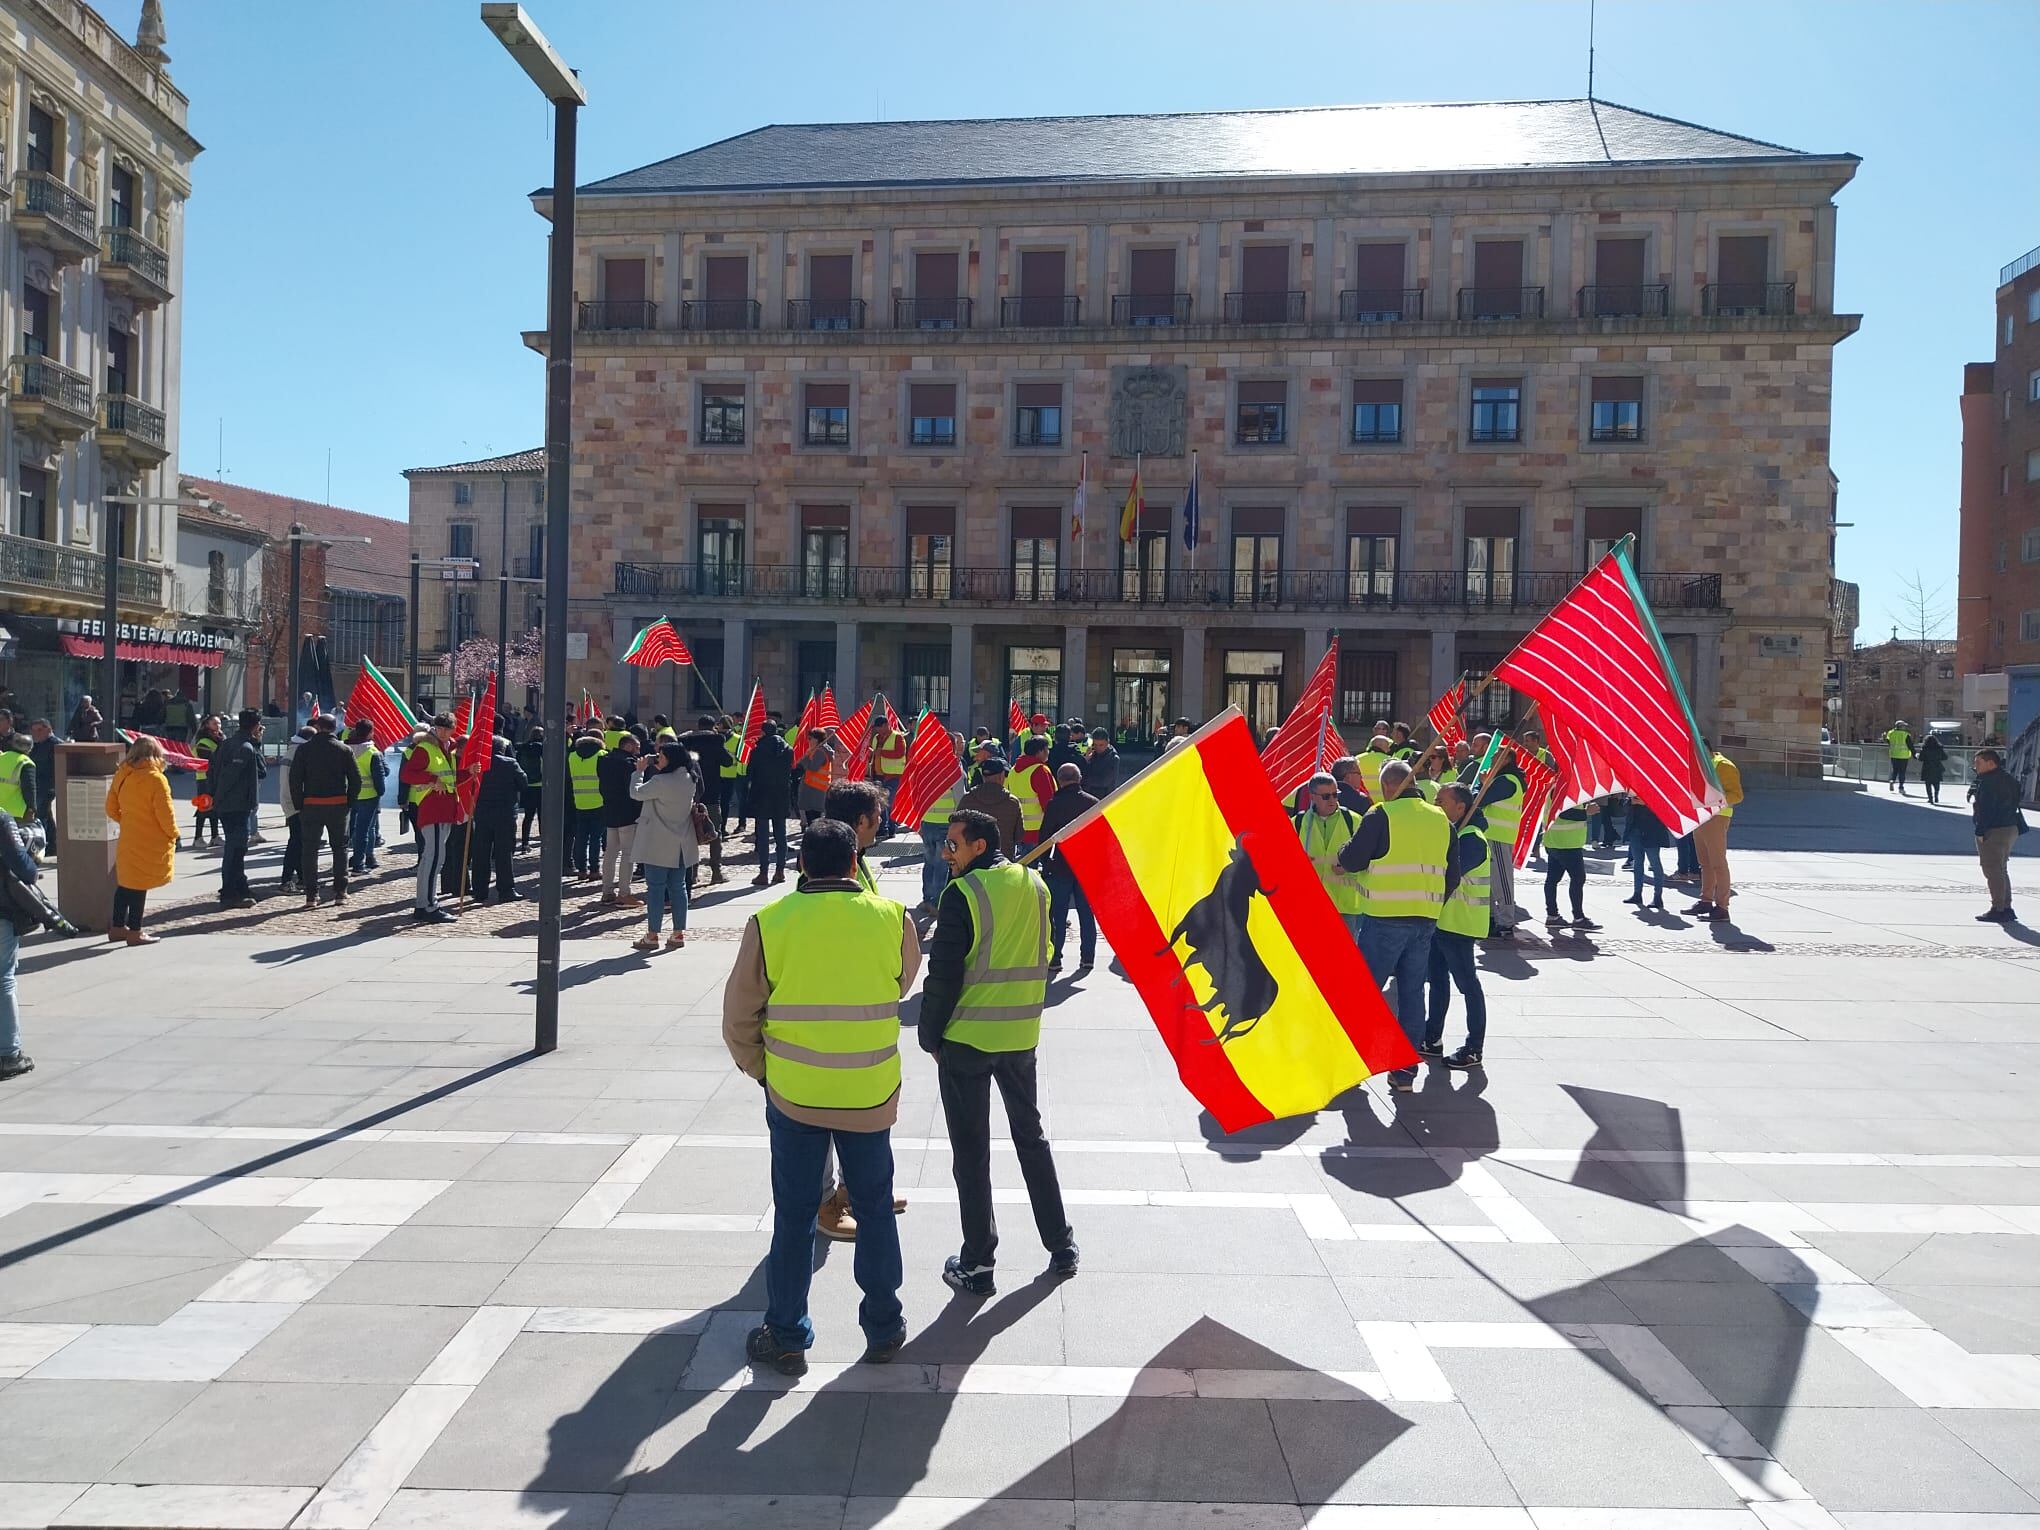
(470, 663)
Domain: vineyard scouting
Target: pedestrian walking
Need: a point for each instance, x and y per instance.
(1401, 852)
(1462, 921)
(325, 782)
(1998, 823)
(17, 862)
(981, 1021)
(666, 788)
(84, 725)
(431, 772)
(1565, 859)
(614, 769)
(138, 799)
(1710, 841)
(990, 797)
(531, 760)
(585, 831)
(1648, 837)
(492, 854)
(236, 775)
(1898, 743)
(811, 1010)
(1065, 893)
(19, 787)
(769, 791)
(292, 879)
(1326, 827)
(1933, 757)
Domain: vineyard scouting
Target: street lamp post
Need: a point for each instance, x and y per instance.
(557, 82)
(297, 537)
(109, 652)
(502, 601)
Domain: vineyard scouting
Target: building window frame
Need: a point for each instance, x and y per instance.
(1065, 423)
(960, 411)
(1591, 413)
(827, 248)
(1039, 686)
(1269, 433)
(717, 417)
(463, 493)
(926, 684)
(1401, 440)
(804, 438)
(931, 568)
(1499, 412)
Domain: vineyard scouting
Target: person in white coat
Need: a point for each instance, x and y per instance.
(666, 788)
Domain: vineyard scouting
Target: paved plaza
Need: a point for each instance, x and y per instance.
(1741, 1231)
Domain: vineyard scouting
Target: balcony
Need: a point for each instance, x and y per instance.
(1150, 310)
(1058, 312)
(131, 431)
(50, 398)
(1652, 301)
(619, 313)
(1747, 300)
(931, 313)
(1264, 307)
(30, 566)
(1501, 302)
(825, 313)
(1523, 596)
(1381, 305)
(130, 264)
(49, 213)
(719, 313)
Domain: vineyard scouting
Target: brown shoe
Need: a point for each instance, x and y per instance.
(311, 901)
(899, 1205)
(833, 1220)
(760, 880)
(677, 940)
(646, 942)
(627, 901)
(137, 938)
(116, 934)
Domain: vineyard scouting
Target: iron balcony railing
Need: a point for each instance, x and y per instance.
(931, 313)
(40, 380)
(719, 313)
(1650, 301)
(1501, 302)
(121, 246)
(1747, 300)
(1058, 312)
(41, 195)
(620, 313)
(1381, 305)
(1143, 310)
(131, 417)
(1328, 588)
(27, 561)
(825, 313)
(1264, 307)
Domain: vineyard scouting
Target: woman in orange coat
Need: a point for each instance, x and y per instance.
(139, 801)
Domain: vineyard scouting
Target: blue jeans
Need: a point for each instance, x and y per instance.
(1400, 949)
(1689, 858)
(866, 1164)
(665, 887)
(934, 873)
(10, 1012)
(1065, 893)
(584, 845)
(361, 819)
(1638, 854)
(1452, 965)
(234, 858)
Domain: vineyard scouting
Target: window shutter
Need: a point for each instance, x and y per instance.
(829, 278)
(1373, 520)
(824, 517)
(1264, 268)
(931, 399)
(1377, 390)
(1378, 267)
(935, 274)
(1041, 273)
(1264, 392)
(1607, 522)
(1153, 273)
(1038, 394)
(1618, 262)
(1492, 520)
(1037, 521)
(1497, 264)
(1257, 520)
(931, 520)
(828, 395)
(1618, 390)
(1515, 384)
(727, 277)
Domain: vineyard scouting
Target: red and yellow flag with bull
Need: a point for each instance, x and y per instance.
(1203, 889)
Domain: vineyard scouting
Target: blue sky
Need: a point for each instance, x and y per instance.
(361, 254)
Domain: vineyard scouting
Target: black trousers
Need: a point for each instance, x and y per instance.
(310, 826)
(489, 863)
(528, 805)
(1571, 865)
(966, 1077)
(771, 829)
(127, 907)
(293, 850)
(450, 871)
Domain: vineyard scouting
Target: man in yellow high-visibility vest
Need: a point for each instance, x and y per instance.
(1898, 743)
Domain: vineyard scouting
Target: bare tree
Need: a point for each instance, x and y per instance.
(1921, 616)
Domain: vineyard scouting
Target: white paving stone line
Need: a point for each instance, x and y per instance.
(126, 1506)
(619, 1182)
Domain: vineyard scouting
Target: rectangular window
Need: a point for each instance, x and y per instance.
(931, 554)
(42, 142)
(32, 503)
(2033, 466)
(1616, 409)
(814, 667)
(1034, 679)
(1041, 273)
(1253, 683)
(1494, 707)
(829, 292)
(708, 660)
(460, 618)
(1491, 555)
(121, 201)
(534, 550)
(460, 536)
(35, 321)
(1263, 417)
(1264, 284)
(1497, 279)
(1140, 694)
(1497, 409)
(1151, 287)
(1377, 410)
(463, 493)
(1378, 277)
(1144, 561)
(2033, 387)
(828, 414)
(726, 278)
(719, 549)
(1366, 687)
(722, 414)
(825, 551)
(1742, 270)
(1036, 543)
(538, 491)
(2029, 626)
(1257, 554)
(1373, 534)
(935, 273)
(926, 667)
(931, 412)
(119, 349)
(1609, 524)
(1037, 414)
(1618, 262)
(2033, 306)
(2029, 547)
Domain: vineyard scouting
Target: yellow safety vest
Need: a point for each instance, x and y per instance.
(1504, 814)
(865, 879)
(891, 761)
(1568, 831)
(664, 734)
(364, 756)
(1408, 882)
(832, 1020)
(204, 750)
(11, 796)
(1323, 838)
(940, 809)
(582, 783)
(737, 766)
(1899, 742)
(1031, 807)
(611, 737)
(1370, 765)
(1005, 976)
(1429, 788)
(444, 772)
(1466, 911)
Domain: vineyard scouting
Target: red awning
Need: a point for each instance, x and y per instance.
(142, 653)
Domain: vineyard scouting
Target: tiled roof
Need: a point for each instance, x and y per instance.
(532, 461)
(1330, 140)
(382, 567)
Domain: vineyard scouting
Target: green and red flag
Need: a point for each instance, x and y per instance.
(853, 736)
(1293, 754)
(826, 715)
(588, 711)
(932, 769)
(754, 721)
(375, 701)
(657, 644)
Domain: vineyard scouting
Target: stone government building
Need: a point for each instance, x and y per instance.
(835, 385)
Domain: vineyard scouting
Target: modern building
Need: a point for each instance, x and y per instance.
(218, 591)
(97, 161)
(840, 388)
(1997, 624)
(491, 513)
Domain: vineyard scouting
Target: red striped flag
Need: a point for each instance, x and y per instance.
(852, 737)
(375, 701)
(1444, 714)
(826, 715)
(479, 751)
(892, 718)
(932, 768)
(463, 716)
(1598, 657)
(177, 756)
(754, 721)
(1583, 774)
(802, 727)
(1016, 724)
(1538, 781)
(657, 644)
(1298, 745)
(588, 711)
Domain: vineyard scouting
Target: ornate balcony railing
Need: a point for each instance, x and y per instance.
(825, 313)
(134, 428)
(1650, 301)
(40, 195)
(719, 313)
(619, 313)
(128, 260)
(1144, 310)
(27, 562)
(1501, 302)
(1265, 307)
(931, 313)
(52, 390)
(1381, 305)
(1747, 300)
(1058, 312)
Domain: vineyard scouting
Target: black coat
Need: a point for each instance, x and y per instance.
(322, 767)
(613, 771)
(502, 784)
(1101, 772)
(43, 755)
(1995, 798)
(710, 753)
(768, 779)
(236, 774)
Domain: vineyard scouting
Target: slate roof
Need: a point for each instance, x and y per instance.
(532, 461)
(1304, 141)
(381, 567)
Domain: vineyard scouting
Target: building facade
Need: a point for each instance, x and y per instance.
(490, 512)
(97, 161)
(1903, 678)
(218, 590)
(839, 391)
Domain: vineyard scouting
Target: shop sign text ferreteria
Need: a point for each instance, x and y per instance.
(128, 632)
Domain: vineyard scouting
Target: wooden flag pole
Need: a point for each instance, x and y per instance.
(1127, 785)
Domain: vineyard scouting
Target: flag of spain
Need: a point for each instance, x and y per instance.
(1203, 889)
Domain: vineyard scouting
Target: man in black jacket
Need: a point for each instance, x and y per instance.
(495, 826)
(236, 777)
(324, 780)
(1101, 765)
(42, 753)
(613, 770)
(531, 760)
(1069, 803)
(710, 749)
(769, 789)
(1994, 809)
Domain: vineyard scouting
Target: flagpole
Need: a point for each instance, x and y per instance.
(1127, 785)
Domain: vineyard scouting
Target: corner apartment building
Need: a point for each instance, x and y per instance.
(97, 162)
(492, 511)
(836, 386)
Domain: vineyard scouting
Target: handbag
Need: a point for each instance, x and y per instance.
(705, 832)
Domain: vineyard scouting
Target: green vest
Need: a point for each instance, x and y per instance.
(364, 757)
(581, 781)
(1428, 788)
(737, 766)
(1899, 742)
(611, 737)
(1568, 831)
(1005, 976)
(1323, 838)
(832, 1021)
(204, 750)
(1503, 813)
(940, 809)
(865, 879)
(11, 797)
(1030, 801)
(1466, 911)
(1370, 765)
(440, 763)
(1409, 881)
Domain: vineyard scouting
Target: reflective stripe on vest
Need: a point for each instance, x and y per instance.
(440, 763)
(1408, 881)
(1323, 838)
(1504, 814)
(832, 1017)
(891, 762)
(1466, 910)
(1568, 831)
(1370, 765)
(818, 780)
(11, 796)
(1005, 976)
(363, 755)
(1031, 807)
(581, 781)
(735, 768)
